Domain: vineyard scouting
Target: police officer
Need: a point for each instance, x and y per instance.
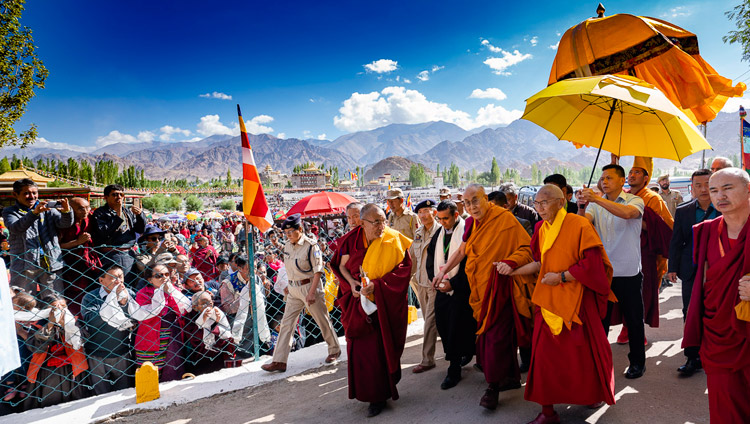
(401, 218)
(421, 284)
(304, 267)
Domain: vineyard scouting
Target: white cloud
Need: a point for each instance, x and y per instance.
(492, 48)
(678, 12)
(321, 136)
(490, 93)
(423, 76)
(492, 115)
(555, 46)
(216, 95)
(146, 136)
(115, 137)
(407, 81)
(382, 66)
(733, 104)
(211, 125)
(534, 40)
(168, 131)
(46, 144)
(366, 111)
(281, 135)
(436, 68)
(499, 65)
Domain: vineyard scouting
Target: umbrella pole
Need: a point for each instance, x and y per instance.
(593, 169)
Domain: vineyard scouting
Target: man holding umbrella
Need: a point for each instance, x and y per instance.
(617, 219)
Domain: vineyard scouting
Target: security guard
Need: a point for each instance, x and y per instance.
(421, 283)
(304, 267)
(401, 219)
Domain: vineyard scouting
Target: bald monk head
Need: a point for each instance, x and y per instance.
(475, 201)
(720, 163)
(730, 191)
(373, 221)
(81, 208)
(549, 200)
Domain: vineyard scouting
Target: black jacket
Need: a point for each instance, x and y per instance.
(106, 224)
(681, 245)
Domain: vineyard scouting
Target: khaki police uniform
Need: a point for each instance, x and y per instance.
(405, 224)
(422, 287)
(302, 261)
(672, 199)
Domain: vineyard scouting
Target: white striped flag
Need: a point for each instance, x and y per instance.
(254, 204)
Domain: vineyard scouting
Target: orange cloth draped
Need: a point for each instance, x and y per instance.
(653, 50)
(499, 237)
(564, 300)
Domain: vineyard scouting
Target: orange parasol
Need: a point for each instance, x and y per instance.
(651, 49)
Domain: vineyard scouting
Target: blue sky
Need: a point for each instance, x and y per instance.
(173, 71)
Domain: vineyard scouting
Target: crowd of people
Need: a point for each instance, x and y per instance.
(99, 293)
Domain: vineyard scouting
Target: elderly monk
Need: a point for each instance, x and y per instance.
(570, 348)
(494, 241)
(655, 237)
(719, 313)
(374, 260)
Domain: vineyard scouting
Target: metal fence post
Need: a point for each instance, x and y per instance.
(251, 275)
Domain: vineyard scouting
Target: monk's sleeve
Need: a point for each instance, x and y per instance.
(536, 251)
(522, 255)
(659, 233)
(694, 321)
(591, 272)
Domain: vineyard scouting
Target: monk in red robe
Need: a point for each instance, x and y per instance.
(655, 237)
(719, 312)
(571, 358)
(372, 263)
(494, 241)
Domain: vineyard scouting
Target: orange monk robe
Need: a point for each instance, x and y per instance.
(579, 355)
(498, 237)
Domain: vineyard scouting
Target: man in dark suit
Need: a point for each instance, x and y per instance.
(681, 264)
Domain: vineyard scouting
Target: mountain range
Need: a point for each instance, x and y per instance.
(518, 145)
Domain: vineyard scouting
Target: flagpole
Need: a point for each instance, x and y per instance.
(703, 154)
(742, 137)
(251, 276)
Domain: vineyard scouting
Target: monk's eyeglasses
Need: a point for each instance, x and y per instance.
(543, 203)
(473, 202)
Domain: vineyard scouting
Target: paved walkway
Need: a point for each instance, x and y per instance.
(319, 395)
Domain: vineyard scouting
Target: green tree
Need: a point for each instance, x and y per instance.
(155, 203)
(193, 203)
(174, 203)
(227, 205)
(229, 177)
(741, 17)
(4, 166)
(494, 172)
(21, 72)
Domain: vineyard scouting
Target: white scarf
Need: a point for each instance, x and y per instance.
(455, 245)
(238, 327)
(214, 316)
(72, 332)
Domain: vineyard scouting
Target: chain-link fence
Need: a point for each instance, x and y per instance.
(184, 304)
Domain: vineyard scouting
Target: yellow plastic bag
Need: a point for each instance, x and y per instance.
(331, 289)
(412, 314)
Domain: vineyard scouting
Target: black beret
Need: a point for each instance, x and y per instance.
(292, 221)
(427, 203)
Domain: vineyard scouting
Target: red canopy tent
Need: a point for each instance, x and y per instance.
(321, 203)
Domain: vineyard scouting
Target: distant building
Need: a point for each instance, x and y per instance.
(271, 178)
(8, 178)
(384, 179)
(311, 177)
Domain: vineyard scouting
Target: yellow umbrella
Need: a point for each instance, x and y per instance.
(617, 113)
(192, 216)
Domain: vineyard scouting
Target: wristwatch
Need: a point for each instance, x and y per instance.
(562, 277)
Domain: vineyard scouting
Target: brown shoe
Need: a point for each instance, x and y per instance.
(422, 368)
(490, 399)
(274, 366)
(332, 357)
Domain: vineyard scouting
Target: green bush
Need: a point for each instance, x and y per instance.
(227, 205)
(193, 203)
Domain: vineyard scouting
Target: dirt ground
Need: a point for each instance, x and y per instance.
(320, 395)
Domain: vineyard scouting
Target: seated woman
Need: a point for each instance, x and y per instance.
(209, 337)
(57, 362)
(159, 307)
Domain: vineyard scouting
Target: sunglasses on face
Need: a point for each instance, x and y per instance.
(160, 275)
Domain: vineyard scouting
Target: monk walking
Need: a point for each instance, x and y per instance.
(569, 348)
(494, 241)
(719, 311)
(372, 263)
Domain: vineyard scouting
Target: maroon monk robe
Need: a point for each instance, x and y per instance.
(712, 323)
(374, 343)
(575, 366)
(654, 243)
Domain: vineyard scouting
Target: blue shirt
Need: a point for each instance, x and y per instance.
(709, 213)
